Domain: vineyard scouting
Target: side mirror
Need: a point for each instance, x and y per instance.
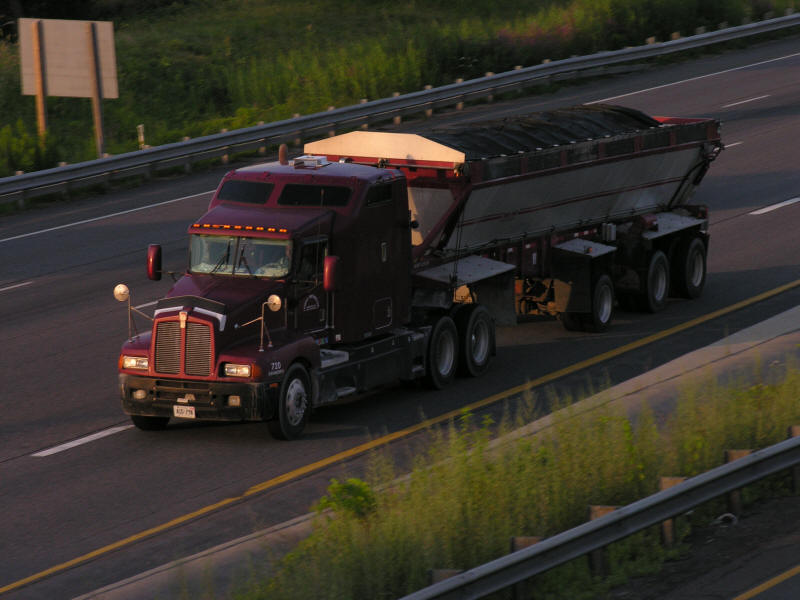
(331, 276)
(154, 262)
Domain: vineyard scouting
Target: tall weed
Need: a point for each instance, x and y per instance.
(466, 495)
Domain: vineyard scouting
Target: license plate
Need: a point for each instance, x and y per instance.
(183, 412)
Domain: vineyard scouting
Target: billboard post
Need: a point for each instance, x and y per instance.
(37, 34)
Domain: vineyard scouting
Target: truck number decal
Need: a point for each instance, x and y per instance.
(275, 367)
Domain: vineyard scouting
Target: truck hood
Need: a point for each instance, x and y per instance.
(232, 300)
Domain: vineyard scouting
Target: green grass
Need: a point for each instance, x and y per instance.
(466, 496)
(195, 67)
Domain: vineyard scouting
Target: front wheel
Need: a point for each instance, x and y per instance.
(442, 353)
(294, 404)
(475, 339)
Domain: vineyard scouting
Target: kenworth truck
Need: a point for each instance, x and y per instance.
(379, 257)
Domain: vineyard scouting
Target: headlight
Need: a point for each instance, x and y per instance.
(135, 362)
(234, 370)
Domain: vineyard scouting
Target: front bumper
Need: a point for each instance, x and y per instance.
(210, 400)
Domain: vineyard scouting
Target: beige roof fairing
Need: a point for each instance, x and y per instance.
(380, 144)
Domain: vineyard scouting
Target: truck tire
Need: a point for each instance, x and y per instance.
(442, 356)
(150, 423)
(657, 283)
(689, 268)
(475, 339)
(294, 404)
(602, 306)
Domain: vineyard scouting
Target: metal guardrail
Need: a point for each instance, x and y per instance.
(551, 552)
(147, 161)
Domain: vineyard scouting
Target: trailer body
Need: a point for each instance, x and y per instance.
(378, 257)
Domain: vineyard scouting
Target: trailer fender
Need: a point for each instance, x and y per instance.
(577, 265)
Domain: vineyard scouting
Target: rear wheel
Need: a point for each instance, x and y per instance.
(602, 305)
(442, 353)
(689, 269)
(475, 339)
(655, 297)
(150, 423)
(294, 404)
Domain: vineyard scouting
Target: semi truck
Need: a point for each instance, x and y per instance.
(380, 257)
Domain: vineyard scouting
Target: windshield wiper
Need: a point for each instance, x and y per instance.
(243, 261)
(222, 259)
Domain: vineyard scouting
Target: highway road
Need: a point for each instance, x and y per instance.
(87, 500)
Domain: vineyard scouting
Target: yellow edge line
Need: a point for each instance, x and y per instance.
(386, 439)
(769, 584)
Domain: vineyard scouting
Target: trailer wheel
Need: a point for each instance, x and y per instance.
(475, 339)
(150, 423)
(655, 297)
(294, 404)
(442, 353)
(602, 306)
(689, 269)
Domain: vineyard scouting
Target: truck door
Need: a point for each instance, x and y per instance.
(311, 307)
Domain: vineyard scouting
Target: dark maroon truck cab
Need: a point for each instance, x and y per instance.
(208, 356)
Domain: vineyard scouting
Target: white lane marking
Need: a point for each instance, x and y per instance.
(745, 101)
(772, 207)
(12, 287)
(658, 87)
(733, 144)
(81, 441)
(117, 214)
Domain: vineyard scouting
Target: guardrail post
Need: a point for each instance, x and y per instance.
(437, 575)
(225, 157)
(490, 95)
(700, 31)
(397, 119)
(331, 132)
(520, 590)
(262, 148)
(675, 35)
(794, 431)
(364, 126)
(651, 40)
(735, 496)
(297, 141)
(597, 558)
(428, 111)
(668, 526)
(460, 105)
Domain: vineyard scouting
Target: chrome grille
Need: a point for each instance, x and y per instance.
(168, 347)
(196, 357)
(198, 349)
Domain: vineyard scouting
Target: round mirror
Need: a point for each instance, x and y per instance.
(274, 302)
(121, 292)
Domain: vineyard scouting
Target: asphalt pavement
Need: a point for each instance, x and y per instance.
(771, 342)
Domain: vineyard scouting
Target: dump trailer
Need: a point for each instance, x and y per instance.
(378, 257)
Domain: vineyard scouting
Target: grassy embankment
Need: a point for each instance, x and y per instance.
(195, 67)
(465, 499)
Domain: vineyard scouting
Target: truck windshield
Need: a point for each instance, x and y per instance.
(234, 255)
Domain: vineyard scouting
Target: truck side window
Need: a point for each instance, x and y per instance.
(378, 194)
(312, 261)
